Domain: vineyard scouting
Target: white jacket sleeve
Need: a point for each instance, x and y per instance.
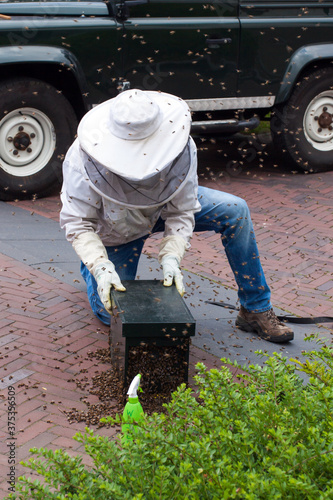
(79, 217)
(80, 203)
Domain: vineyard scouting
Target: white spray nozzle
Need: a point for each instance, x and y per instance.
(133, 388)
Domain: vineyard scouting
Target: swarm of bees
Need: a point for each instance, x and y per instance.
(163, 368)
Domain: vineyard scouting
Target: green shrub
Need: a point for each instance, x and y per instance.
(267, 436)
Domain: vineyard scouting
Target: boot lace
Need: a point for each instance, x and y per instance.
(271, 316)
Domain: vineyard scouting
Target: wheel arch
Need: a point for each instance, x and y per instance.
(58, 67)
(301, 63)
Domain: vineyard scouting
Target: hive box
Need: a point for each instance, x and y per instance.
(150, 332)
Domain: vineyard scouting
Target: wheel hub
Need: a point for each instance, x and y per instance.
(27, 141)
(22, 141)
(318, 122)
(325, 119)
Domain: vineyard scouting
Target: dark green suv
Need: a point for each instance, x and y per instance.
(234, 62)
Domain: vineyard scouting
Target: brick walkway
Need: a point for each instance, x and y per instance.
(293, 220)
(47, 333)
(47, 330)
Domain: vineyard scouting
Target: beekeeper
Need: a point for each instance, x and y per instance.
(132, 171)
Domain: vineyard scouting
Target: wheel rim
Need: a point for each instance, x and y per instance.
(318, 122)
(27, 141)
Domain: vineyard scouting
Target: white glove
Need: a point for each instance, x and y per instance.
(106, 278)
(93, 254)
(172, 273)
(172, 250)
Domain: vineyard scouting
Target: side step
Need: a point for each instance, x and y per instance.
(231, 126)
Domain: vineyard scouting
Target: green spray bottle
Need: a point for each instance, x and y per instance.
(133, 410)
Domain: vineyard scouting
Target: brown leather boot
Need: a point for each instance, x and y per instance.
(265, 324)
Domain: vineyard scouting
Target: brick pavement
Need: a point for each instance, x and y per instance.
(293, 220)
(47, 330)
(47, 334)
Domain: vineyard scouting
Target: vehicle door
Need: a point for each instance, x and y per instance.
(185, 47)
(271, 32)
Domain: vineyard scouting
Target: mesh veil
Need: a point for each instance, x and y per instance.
(152, 191)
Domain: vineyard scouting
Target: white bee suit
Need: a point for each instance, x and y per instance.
(133, 162)
(84, 209)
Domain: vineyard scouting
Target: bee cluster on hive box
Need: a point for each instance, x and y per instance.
(150, 334)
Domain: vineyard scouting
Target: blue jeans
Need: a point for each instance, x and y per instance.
(223, 213)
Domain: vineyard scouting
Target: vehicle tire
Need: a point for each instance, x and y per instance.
(37, 126)
(302, 128)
